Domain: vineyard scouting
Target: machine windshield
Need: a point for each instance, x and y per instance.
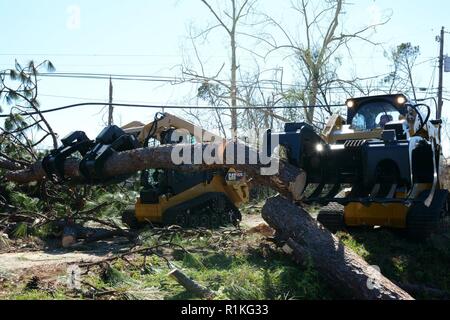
(374, 115)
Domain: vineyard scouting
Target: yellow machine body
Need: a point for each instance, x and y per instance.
(236, 191)
(392, 215)
(376, 214)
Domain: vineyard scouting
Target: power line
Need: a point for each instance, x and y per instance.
(180, 80)
(425, 61)
(430, 85)
(142, 55)
(192, 79)
(172, 81)
(87, 55)
(77, 98)
(114, 77)
(90, 99)
(126, 105)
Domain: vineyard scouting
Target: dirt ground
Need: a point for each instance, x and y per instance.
(29, 262)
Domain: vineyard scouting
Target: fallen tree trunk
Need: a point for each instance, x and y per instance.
(75, 232)
(339, 265)
(9, 165)
(289, 180)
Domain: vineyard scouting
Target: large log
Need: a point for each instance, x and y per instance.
(289, 180)
(73, 232)
(9, 165)
(339, 265)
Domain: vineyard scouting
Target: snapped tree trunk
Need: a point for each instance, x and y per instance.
(341, 267)
(289, 180)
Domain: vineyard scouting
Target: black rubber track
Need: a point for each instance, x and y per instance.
(332, 217)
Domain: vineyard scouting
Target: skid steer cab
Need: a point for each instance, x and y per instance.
(379, 166)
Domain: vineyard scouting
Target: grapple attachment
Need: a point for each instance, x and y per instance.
(111, 140)
(75, 142)
(93, 154)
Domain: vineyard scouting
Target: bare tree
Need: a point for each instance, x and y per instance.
(316, 49)
(214, 89)
(263, 96)
(403, 59)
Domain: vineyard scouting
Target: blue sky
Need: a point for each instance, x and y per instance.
(150, 38)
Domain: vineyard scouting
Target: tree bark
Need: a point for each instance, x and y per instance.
(75, 232)
(341, 267)
(289, 180)
(9, 165)
(190, 285)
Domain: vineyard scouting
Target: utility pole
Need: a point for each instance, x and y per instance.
(111, 109)
(441, 75)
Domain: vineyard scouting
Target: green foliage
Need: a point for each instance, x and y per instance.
(247, 292)
(242, 274)
(406, 51)
(13, 75)
(233, 273)
(212, 93)
(192, 261)
(21, 230)
(403, 59)
(277, 281)
(15, 122)
(356, 246)
(13, 150)
(113, 276)
(25, 202)
(38, 295)
(50, 66)
(18, 88)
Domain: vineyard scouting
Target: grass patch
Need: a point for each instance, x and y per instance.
(245, 271)
(37, 295)
(402, 259)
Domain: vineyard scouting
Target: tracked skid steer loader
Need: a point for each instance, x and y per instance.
(379, 166)
(206, 199)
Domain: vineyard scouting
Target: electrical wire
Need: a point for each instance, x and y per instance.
(173, 80)
(262, 84)
(126, 105)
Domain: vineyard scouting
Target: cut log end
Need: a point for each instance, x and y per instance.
(298, 186)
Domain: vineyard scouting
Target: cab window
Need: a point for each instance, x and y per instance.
(374, 115)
